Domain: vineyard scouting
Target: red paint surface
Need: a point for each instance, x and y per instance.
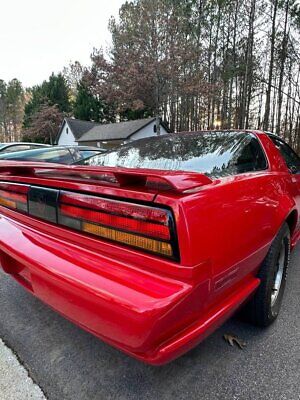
(150, 307)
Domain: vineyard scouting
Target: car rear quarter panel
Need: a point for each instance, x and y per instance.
(227, 228)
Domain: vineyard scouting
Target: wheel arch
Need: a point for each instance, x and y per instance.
(292, 220)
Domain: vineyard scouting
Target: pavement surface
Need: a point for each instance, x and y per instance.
(69, 363)
(15, 384)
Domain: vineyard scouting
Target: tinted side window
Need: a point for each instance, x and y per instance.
(76, 154)
(251, 158)
(88, 153)
(290, 157)
(61, 156)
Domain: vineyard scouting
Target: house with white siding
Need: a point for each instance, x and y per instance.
(86, 133)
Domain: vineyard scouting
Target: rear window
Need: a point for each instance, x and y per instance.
(215, 154)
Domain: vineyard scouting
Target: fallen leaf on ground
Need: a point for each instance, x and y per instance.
(233, 339)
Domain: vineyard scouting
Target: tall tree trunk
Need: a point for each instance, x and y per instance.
(283, 56)
(234, 62)
(247, 84)
(216, 46)
(271, 68)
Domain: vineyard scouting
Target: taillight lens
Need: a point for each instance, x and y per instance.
(14, 196)
(140, 226)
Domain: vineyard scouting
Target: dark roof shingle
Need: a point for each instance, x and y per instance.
(80, 127)
(121, 130)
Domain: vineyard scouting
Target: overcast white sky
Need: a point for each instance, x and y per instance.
(41, 36)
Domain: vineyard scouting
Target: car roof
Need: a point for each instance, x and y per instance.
(24, 143)
(80, 147)
(28, 153)
(91, 148)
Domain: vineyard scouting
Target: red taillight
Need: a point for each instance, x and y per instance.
(141, 226)
(145, 227)
(14, 196)
(115, 207)
(115, 221)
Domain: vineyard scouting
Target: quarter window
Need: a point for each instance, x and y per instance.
(290, 157)
(251, 158)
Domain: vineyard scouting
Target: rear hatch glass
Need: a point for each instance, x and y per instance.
(215, 154)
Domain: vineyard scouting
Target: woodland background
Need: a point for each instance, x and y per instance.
(198, 64)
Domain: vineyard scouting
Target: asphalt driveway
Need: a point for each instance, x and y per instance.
(69, 363)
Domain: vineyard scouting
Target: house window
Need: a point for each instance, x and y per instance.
(154, 128)
(67, 130)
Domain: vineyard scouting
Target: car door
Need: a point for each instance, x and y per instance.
(293, 162)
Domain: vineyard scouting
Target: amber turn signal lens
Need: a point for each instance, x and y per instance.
(7, 203)
(14, 196)
(152, 245)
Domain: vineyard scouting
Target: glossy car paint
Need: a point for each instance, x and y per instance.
(152, 308)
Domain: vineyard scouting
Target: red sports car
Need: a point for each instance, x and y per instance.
(153, 245)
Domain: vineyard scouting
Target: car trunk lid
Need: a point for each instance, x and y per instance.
(112, 204)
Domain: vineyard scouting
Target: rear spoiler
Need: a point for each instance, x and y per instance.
(179, 181)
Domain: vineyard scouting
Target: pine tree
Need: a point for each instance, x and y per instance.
(89, 108)
(54, 92)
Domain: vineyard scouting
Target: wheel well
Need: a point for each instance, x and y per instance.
(292, 221)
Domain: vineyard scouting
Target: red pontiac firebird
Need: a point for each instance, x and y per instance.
(153, 245)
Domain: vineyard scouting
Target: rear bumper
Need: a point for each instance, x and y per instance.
(151, 317)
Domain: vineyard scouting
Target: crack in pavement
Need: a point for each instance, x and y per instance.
(15, 381)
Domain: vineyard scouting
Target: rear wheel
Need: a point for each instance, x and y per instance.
(265, 305)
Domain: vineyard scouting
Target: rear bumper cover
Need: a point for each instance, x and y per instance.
(151, 317)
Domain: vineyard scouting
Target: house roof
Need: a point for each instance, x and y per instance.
(86, 131)
(117, 131)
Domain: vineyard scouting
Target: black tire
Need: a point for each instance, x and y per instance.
(264, 307)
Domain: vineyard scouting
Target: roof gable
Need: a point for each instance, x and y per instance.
(77, 126)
